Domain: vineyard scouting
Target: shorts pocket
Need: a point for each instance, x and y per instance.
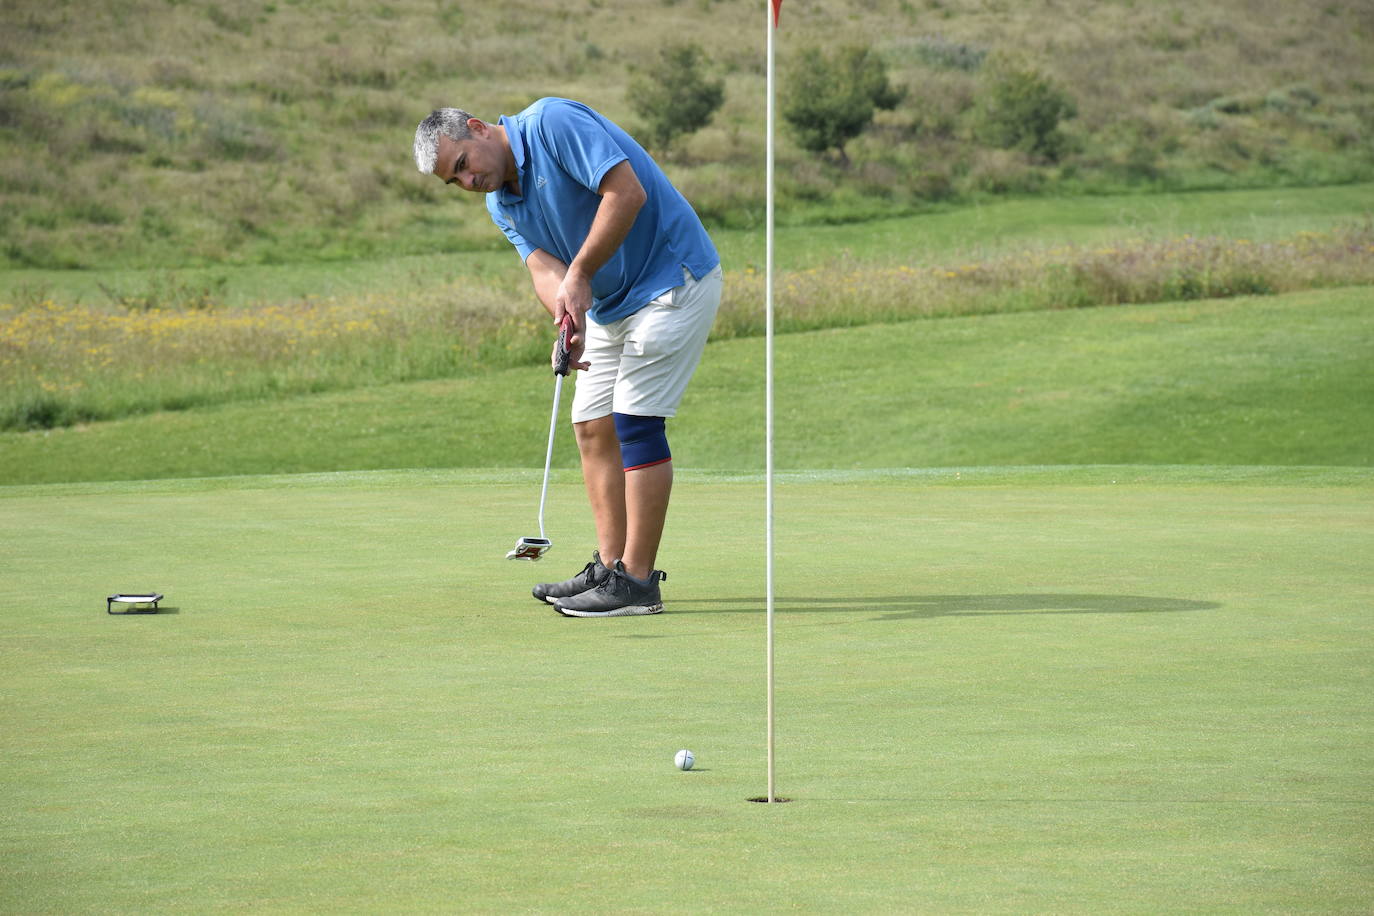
(669, 300)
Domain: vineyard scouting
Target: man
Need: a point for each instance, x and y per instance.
(611, 243)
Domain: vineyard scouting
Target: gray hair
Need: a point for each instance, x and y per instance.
(447, 122)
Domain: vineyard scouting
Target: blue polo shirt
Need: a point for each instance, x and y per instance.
(563, 150)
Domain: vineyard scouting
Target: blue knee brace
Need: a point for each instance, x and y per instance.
(643, 441)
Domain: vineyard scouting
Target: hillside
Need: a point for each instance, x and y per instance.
(141, 133)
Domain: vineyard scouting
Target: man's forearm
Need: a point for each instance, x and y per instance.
(546, 273)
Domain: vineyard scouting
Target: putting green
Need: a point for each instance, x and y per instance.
(1052, 690)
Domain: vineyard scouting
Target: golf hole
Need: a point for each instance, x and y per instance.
(764, 799)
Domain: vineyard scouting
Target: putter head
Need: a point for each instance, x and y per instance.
(530, 549)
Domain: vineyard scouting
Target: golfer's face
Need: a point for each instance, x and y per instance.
(475, 164)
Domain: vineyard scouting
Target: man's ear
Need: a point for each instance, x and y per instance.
(477, 126)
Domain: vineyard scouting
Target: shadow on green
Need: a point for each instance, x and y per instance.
(924, 607)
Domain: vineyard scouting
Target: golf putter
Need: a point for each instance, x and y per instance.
(535, 548)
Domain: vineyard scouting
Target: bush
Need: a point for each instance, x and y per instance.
(831, 99)
(1291, 99)
(941, 53)
(673, 96)
(1021, 109)
(1002, 172)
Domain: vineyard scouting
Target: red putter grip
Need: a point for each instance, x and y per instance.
(564, 357)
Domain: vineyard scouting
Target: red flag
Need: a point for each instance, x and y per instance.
(777, 11)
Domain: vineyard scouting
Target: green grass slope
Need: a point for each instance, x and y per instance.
(1028, 695)
(1280, 380)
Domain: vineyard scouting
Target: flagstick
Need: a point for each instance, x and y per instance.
(768, 385)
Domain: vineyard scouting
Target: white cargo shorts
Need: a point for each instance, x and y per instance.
(641, 364)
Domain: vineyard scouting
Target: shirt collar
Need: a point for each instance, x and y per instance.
(517, 149)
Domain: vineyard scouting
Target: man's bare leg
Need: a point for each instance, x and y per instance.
(646, 507)
(628, 507)
(604, 476)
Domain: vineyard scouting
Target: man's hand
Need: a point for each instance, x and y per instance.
(573, 298)
(566, 289)
(549, 275)
(562, 355)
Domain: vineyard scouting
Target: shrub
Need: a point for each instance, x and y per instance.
(831, 99)
(1021, 109)
(1002, 172)
(673, 95)
(1291, 99)
(941, 53)
(1234, 104)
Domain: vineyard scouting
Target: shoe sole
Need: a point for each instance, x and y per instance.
(630, 610)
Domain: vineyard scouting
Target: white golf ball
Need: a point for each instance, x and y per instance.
(684, 759)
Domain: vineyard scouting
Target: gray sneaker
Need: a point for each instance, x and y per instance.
(592, 575)
(621, 595)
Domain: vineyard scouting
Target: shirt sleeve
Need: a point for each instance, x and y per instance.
(514, 237)
(579, 143)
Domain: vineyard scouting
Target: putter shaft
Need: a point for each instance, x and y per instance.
(548, 456)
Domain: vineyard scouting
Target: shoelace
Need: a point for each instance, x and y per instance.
(627, 582)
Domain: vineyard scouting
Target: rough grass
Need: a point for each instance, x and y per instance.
(950, 234)
(69, 364)
(248, 146)
(849, 292)
(65, 364)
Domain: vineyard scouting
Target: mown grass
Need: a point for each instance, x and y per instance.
(1256, 381)
(1042, 695)
(67, 364)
